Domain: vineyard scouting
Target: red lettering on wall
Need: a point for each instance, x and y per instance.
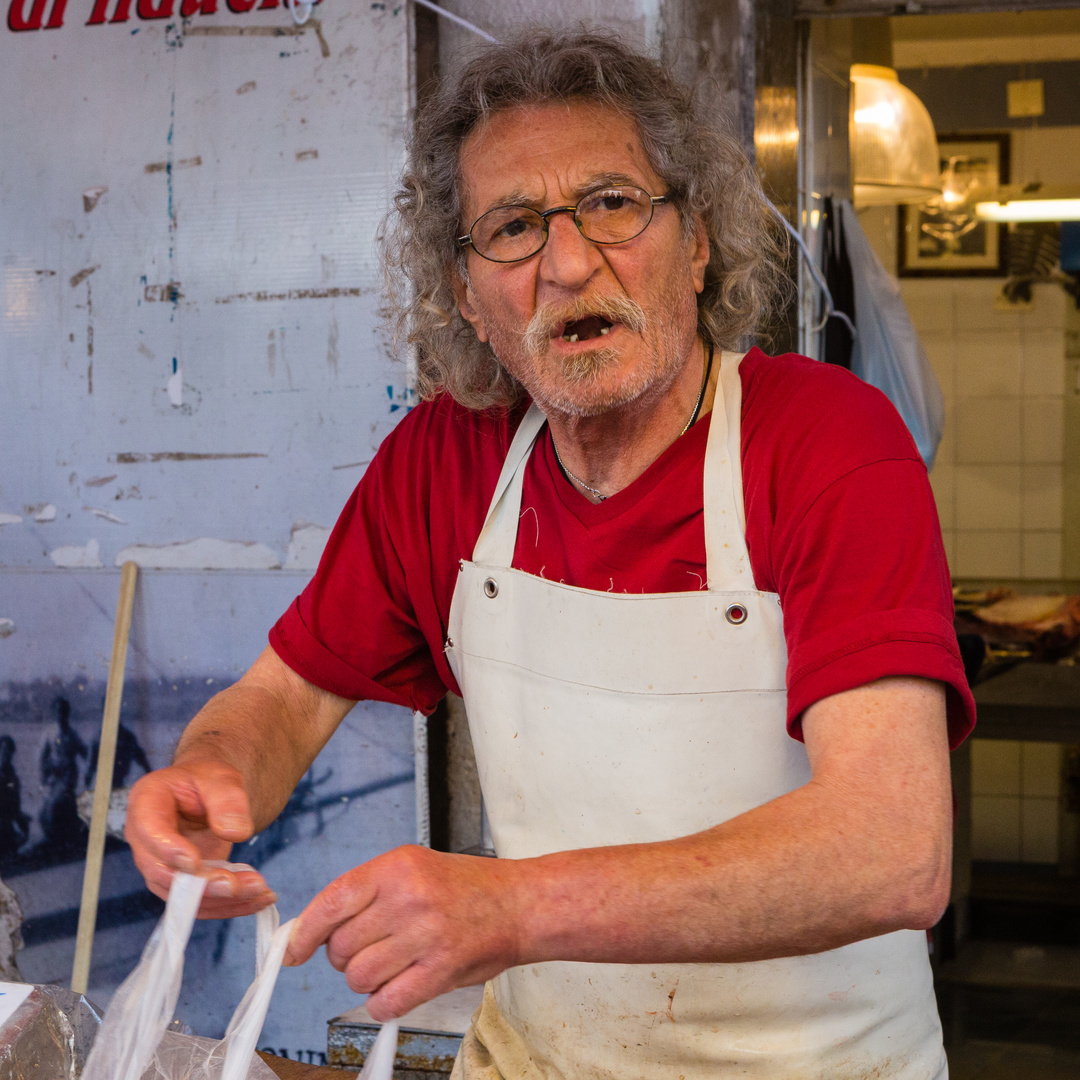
(122, 12)
(146, 9)
(268, 4)
(197, 7)
(17, 18)
(98, 14)
(240, 6)
(56, 19)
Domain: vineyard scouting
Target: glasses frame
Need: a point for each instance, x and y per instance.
(546, 215)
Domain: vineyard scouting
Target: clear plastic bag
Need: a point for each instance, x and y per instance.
(133, 1043)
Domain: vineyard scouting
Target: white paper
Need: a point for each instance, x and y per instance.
(12, 995)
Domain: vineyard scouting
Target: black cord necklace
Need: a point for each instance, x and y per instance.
(571, 478)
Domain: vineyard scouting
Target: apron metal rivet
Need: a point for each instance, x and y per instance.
(491, 588)
(736, 614)
(449, 643)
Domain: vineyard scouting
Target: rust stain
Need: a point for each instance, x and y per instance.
(296, 294)
(82, 275)
(183, 163)
(100, 481)
(176, 455)
(670, 1010)
(247, 87)
(306, 155)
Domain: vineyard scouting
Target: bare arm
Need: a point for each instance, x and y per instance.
(234, 769)
(863, 849)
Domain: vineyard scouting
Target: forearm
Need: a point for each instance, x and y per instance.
(863, 849)
(246, 727)
(233, 771)
(789, 878)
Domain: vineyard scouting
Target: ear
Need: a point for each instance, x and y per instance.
(699, 252)
(466, 303)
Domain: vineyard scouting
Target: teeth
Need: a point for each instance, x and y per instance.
(604, 331)
(572, 337)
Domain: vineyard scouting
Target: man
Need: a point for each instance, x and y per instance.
(696, 604)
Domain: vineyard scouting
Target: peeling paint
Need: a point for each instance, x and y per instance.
(145, 350)
(82, 275)
(306, 546)
(105, 515)
(332, 346)
(261, 31)
(74, 557)
(246, 88)
(306, 155)
(205, 553)
(42, 513)
(100, 481)
(183, 163)
(7, 628)
(175, 385)
(177, 455)
(351, 465)
(243, 31)
(298, 294)
(10, 519)
(169, 293)
(91, 196)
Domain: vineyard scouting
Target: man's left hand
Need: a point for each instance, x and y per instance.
(412, 924)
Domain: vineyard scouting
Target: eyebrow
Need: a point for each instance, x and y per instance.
(521, 197)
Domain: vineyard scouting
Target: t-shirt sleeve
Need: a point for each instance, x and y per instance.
(852, 544)
(354, 630)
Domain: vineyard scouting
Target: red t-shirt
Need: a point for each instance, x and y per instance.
(840, 522)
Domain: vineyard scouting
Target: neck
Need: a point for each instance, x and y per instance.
(608, 452)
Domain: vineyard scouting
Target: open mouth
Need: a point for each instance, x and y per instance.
(592, 326)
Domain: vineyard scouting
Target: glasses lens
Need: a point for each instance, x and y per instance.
(614, 214)
(508, 233)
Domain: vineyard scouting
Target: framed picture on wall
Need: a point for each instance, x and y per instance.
(943, 237)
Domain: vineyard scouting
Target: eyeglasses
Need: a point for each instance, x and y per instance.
(609, 215)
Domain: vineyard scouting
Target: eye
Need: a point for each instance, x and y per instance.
(512, 228)
(611, 201)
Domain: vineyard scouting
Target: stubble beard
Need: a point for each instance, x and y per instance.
(579, 387)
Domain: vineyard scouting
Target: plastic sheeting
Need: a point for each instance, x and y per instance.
(888, 353)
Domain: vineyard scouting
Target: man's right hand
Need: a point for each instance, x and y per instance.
(182, 815)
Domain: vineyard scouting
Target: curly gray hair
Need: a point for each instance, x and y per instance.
(706, 170)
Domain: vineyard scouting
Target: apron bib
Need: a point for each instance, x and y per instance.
(605, 718)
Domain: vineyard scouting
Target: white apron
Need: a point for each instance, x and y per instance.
(605, 718)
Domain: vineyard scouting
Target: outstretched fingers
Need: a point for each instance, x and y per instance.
(339, 902)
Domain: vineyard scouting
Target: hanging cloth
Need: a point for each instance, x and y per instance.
(837, 338)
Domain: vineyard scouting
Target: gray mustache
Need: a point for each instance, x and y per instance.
(549, 317)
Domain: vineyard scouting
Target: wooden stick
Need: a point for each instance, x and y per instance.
(110, 724)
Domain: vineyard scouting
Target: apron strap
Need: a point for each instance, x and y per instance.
(727, 559)
(496, 542)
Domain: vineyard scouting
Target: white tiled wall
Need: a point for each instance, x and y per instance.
(1015, 787)
(998, 476)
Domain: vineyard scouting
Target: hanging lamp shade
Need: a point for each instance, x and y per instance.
(894, 151)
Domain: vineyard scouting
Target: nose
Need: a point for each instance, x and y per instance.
(568, 260)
